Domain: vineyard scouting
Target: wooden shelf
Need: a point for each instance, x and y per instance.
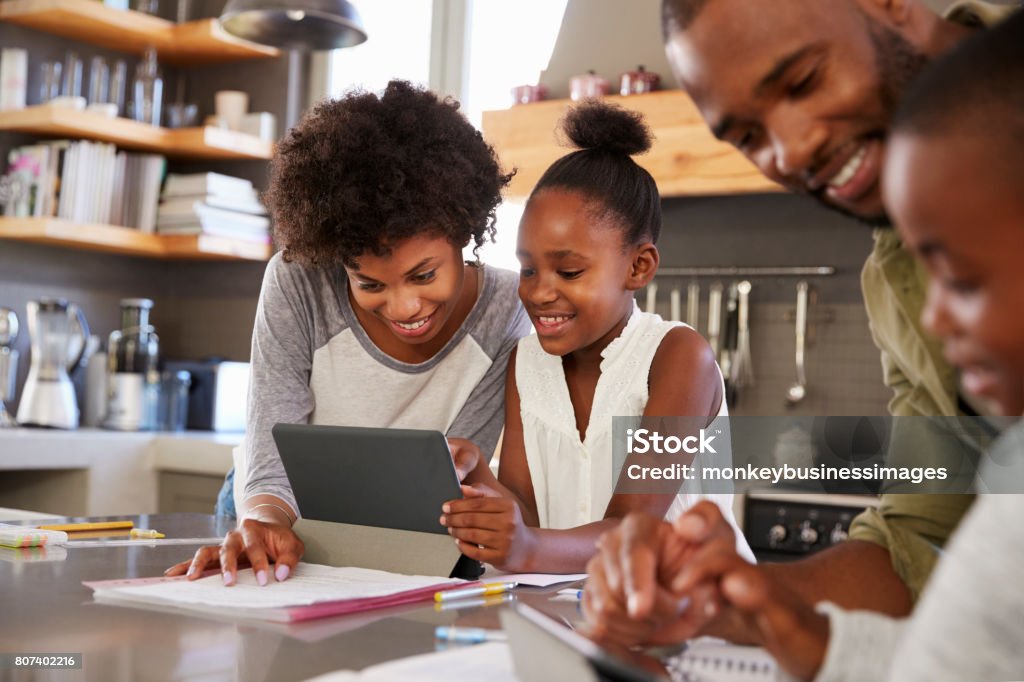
(185, 143)
(685, 158)
(129, 242)
(90, 21)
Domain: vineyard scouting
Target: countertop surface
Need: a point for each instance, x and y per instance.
(46, 609)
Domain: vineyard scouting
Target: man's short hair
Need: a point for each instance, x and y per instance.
(677, 15)
(977, 92)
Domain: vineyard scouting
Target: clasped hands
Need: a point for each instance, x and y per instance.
(653, 583)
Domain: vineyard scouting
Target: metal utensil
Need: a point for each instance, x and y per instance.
(715, 316)
(729, 339)
(693, 304)
(652, 298)
(798, 390)
(742, 368)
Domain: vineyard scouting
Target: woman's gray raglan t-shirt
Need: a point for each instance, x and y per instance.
(312, 362)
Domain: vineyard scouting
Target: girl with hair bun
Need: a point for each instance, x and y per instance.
(586, 245)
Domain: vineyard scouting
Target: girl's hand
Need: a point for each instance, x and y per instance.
(489, 528)
(465, 455)
(253, 543)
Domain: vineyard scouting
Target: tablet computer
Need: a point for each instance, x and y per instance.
(543, 649)
(389, 478)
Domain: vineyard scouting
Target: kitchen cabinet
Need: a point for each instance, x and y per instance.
(190, 43)
(179, 492)
(685, 158)
(92, 472)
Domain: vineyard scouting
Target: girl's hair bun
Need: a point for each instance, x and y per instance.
(599, 126)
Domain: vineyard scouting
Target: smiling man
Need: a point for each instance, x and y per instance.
(805, 89)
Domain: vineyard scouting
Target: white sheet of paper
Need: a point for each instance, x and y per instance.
(490, 661)
(531, 579)
(309, 584)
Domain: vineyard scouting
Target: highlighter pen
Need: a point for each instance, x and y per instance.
(447, 633)
(145, 533)
(479, 591)
(96, 525)
(492, 600)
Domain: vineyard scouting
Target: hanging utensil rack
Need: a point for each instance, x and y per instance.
(758, 271)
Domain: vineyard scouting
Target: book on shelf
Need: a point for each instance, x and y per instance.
(85, 182)
(216, 184)
(173, 206)
(205, 219)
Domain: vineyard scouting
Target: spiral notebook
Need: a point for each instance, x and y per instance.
(543, 649)
(712, 660)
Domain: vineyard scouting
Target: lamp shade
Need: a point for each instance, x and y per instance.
(298, 24)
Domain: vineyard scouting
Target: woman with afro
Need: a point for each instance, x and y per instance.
(368, 315)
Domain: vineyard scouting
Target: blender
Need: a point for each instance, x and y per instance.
(57, 335)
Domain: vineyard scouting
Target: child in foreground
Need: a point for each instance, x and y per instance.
(586, 245)
(952, 182)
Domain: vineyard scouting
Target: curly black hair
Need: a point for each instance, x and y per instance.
(602, 170)
(360, 173)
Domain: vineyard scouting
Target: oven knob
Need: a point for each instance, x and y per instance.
(837, 535)
(777, 534)
(808, 535)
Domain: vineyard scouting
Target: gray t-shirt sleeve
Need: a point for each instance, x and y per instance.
(282, 358)
(504, 323)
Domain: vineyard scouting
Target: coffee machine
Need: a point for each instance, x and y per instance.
(57, 335)
(8, 363)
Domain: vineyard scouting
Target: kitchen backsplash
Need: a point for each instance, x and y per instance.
(205, 309)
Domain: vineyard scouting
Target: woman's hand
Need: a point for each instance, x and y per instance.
(465, 455)
(254, 543)
(489, 528)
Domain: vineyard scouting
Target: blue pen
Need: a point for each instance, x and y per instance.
(468, 635)
(575, 594)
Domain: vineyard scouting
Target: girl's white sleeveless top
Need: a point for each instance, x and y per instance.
(572, 480)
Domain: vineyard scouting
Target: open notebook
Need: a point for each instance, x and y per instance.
(712, 660)
(313, 591)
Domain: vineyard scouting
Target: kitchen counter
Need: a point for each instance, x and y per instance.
(99, 472)
(48, 610)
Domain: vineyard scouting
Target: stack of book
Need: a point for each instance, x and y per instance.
(85, 182)
(213, 204)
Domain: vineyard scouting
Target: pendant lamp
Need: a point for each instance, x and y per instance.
(295, 24)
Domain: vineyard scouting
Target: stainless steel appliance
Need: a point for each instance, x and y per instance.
(8, 363)
(217, 394)
(133, 382)
(57, 333)
(787, 526)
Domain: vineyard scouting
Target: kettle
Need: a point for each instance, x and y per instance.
(57, 336)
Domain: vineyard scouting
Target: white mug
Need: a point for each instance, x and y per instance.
(231, 106)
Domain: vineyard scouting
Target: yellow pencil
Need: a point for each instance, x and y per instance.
(96, 525)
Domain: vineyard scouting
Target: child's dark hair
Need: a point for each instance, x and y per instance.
(603, 172)
(360, 173)
(975, 91)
